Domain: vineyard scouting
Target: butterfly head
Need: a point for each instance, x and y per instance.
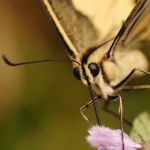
(91, 72)
(86, 72)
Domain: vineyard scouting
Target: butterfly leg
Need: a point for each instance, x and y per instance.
(136, 87)
(119, 86)
(120, 115)
(85, 107)
(121, 119)
(126, 88)
(113, 113)
(145, 72)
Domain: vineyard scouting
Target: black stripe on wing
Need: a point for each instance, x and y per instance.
(128, 26)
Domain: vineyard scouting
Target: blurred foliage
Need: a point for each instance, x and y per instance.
(39, 104)
(141, 127)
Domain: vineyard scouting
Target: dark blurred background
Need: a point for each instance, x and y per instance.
(39, 104)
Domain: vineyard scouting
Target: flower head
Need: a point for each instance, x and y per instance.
(105, 138)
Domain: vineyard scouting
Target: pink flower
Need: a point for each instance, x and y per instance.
(102, 138)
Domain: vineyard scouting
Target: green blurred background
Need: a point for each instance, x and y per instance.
(39, 104)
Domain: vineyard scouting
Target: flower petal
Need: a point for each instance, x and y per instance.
(105, 138)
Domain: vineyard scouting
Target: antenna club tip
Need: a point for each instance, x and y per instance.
(5, 59)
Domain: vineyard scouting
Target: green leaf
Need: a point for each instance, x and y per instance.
(141, 128)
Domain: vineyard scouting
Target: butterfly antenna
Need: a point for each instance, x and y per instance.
(8, 62)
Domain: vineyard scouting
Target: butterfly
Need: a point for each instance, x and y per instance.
(104, 46)
(106, 52)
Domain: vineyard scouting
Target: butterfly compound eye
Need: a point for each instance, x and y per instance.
(94, 69)
(76, 73)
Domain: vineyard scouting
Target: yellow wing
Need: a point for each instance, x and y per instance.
(139, 28)
(75, 29)
(135, 29)
(86, 23)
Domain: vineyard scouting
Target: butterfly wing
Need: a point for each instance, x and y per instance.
(134, 30)
(107, 16)
(83, 24)
(139, 29)
(75, 28)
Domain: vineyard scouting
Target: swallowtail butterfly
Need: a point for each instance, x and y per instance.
(104, 46)
(106, 50)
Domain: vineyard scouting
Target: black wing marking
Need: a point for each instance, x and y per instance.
(78, 30)
(135, 28)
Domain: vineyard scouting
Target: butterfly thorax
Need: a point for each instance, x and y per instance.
(124, 63)
(111, 73)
